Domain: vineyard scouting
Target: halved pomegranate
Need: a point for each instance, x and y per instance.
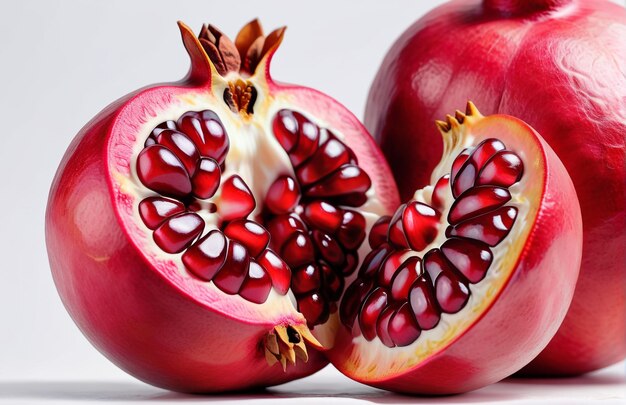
(198, 230)
(470, 279)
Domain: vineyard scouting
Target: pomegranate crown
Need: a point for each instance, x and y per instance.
(250, 48)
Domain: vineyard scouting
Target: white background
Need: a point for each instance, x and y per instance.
(62, 62)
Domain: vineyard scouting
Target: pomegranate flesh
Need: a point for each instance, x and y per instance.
(468, 280)
(199, 232)
(558, 65)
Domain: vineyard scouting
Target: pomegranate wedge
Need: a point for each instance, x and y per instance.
(474, 274)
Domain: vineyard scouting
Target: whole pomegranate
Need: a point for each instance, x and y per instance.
(198, 231)
(560, 65)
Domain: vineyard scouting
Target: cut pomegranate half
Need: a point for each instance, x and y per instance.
(198, 231)
(474, 275)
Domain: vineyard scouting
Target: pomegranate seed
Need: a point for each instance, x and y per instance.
(477, 201)
(352, 299)
(308, 140)
(404, 278)
(160, 170)
(423, 303)
(321, 215)
(285, 127)
(403, 328)
(490, 228)
(250, 234)
(181, 146)
(350, 199)
(390, 267)
(306, 279)
(396, 234)
(151, 140)
(378, 232)
(435, 262)
(485, 151)
(330, 156)
(206, 131)
(206, 257)
(230, 278)
(178, 232)
(328, 248)
(283, 195)
(458, 163)
(351, 233)
(257, 285)
(345, 180)
(314, 309)
(374, 260)
(352, 260)
(465, 179)
(298, 250)
(504, 169)
(373, 305)
(334, 285)
(452, 294)
(277, 269)
(207, 178)
(382, 325)
(154, 210)
(441, 192)
(421, 225)
(282, 228)
(472, 258)
(237, 199)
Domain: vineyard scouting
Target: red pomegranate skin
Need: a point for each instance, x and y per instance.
(128, 310)
(560, 66)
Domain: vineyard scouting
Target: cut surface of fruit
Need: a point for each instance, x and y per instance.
(469, 261)
(235, 209)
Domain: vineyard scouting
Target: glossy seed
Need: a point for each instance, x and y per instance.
(404, 278)
(423, 303)
(403, 329)
(378, 232)
(421, 225)
(504, 169)
(257, 284)
(470, 257)
(477, 201)
(328, 248)
(206, 257)
(345, 180)
(395, 233)
(207, 132)
(314, 309)
(178, 232)
(382, 325)
(374, 259)
(279, 271)
(285, 128)
(351, 232)
(154, 210)
(236, 200)
(330, 156)
(390, 267)
(281, 228)
(373, 305)
(323, 216)
(298, 250)
(452, 294)
(160, 170)
(206, 179)
(181, 146)
(230, 278)
(334, 284)
(352, 299)
(308, 141)
(250, 234)
(283, 195)
(306, 279)
(490, 228)
(441, 192)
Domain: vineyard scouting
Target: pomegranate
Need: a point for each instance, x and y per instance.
(198, 231)
(470, 279)
(559, 66)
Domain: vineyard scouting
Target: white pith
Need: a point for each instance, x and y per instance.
(374, 360)
(257, 157)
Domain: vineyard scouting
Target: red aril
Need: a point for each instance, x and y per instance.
(475, 272)
(558, 65)
(198, 231)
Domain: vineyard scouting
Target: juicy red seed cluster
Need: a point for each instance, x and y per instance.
(314, 233)
(395, 299)
(183, 162)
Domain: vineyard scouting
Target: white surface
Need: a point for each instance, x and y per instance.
(62, 62)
